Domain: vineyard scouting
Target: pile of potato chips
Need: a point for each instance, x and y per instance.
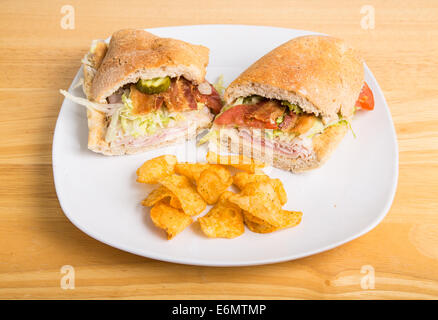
(186, 189)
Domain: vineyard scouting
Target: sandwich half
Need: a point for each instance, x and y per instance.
(292, 107)
(144, 92)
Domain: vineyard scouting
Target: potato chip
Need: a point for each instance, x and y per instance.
(226, 194)
(289, 219)
(250, 217)
(279, 190)
(212, 182)
(153, 170)
(174, 202)
(191, 202)
(223, 173)
(172, 220)
(259, 199)
(191, 170)
(259, 228)
(159, 194)
(240, 179)
(257, 225)
(224, 220)
(237, 161)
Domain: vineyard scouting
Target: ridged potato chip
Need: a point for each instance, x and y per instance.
(237, 161)
(241, 179)
(170, 219)
(261, 200)
(279, 190)
(254, 219)
(159, 194)
(191, 170)
(191, 202)
(153, 170)
(226, 194)
(224, 220)
(174, 202)
(259, 228)
(212, 182)
(289, 219)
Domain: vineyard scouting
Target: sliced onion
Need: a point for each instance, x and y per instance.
(108, 108)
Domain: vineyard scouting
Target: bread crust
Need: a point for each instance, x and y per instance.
(135, 53)
(97, 122)
(321, 73)
(324, 144)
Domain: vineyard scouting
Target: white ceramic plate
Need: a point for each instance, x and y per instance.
(344, 199)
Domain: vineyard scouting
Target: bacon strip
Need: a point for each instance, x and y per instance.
(179, 96)
(213, 100)
(182, 95)
(302, 124)
(144, 103)
(260, 115)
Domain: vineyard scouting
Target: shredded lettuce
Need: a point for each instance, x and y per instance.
(246, 100)
(252, 99)
(344, 122)
(292, 107)
(147, 124)
(219, 85)
(208, 136)
(280, 135)
(340, 122)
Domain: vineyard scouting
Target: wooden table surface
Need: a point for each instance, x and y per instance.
(38, 57)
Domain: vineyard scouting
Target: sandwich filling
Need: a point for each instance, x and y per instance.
(155, 110)
(273, 126)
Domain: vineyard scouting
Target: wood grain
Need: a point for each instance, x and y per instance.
(37, 57)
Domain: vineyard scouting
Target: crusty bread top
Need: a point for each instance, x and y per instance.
(134, 54)
(320, 73)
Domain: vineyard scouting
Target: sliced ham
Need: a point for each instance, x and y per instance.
(295, 148)
(115, 98)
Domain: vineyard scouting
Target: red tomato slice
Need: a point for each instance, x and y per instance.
(366, 98)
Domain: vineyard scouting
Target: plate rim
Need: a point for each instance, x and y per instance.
(163, 257)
